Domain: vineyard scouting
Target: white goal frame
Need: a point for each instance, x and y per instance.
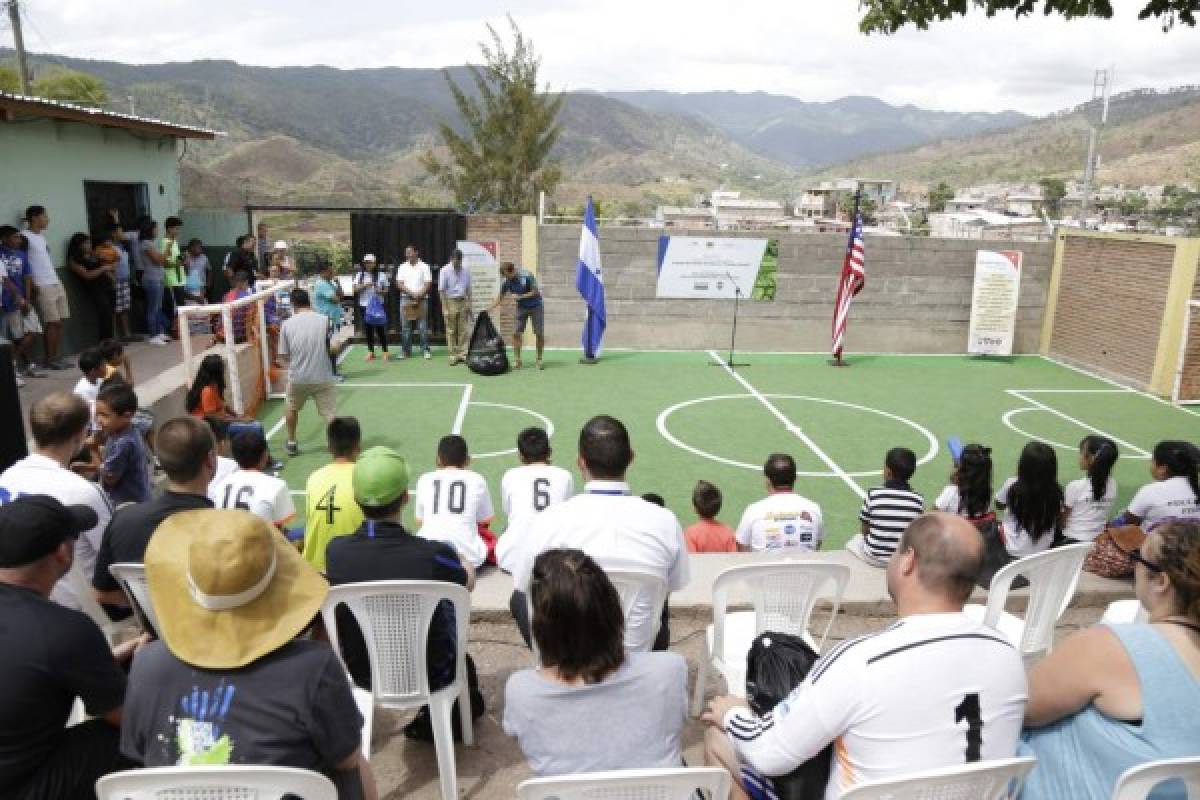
(1192, 309)
(264, 290)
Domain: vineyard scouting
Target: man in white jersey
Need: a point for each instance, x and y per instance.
(617, 529)
(59, 423)
(251, 489)
(530, 489)
(932, 690)
(452, 502)
(782, 518)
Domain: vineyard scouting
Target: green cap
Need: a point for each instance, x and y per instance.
(380, 476)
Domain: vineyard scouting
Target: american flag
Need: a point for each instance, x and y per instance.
(852, 280)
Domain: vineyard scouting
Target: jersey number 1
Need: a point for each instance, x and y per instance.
(968, 710)
(240, 500)
(456, 499)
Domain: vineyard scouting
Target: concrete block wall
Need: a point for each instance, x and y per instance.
(504, 229)
(917, 296)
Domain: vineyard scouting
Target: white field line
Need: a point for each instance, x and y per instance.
(342, 356)
(462, 409)
(781, 352)
(1137, 451)
(791, 427)
(1112, 382)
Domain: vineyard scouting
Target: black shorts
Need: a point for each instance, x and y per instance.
(524, 314)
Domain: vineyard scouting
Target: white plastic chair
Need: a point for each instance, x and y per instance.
(629, 784)
(631, 585)
(984, 780)
(394, 617)
(1053, 576)
(132, 579)
(215, 783)
(1136, 783)
(784, 594)
(1124, 612)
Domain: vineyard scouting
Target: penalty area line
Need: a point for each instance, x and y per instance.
(791, 427)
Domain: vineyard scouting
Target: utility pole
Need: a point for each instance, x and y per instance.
(1100, 89)
(14, 17)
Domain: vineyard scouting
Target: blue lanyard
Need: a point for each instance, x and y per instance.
(607, 491)
(370, 529)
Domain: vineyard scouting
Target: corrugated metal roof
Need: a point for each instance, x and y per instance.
(59, 110)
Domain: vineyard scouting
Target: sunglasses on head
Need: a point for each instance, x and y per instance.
(1136, 556)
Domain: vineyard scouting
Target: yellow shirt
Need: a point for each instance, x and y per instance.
(330, 510)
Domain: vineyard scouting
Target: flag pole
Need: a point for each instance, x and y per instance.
(589, 355)
(847, 287)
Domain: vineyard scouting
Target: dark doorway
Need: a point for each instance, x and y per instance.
(386, 235)
(131, 200)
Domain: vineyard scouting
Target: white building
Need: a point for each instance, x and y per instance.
(982, 224)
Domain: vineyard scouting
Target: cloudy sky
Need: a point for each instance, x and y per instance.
(809, 49)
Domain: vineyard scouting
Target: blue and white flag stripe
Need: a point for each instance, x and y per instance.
(589, 281)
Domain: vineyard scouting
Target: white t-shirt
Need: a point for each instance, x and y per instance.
(525, 492)
(931, 691)
(257, 492)
(87, 391)
(412, 278)
(619, 531)
(449, 507)
(366, 279)
(41, 266)
(779, 520)
(1017, 540)
(37, 474)
(1170, 498)
(1088, 515)
(225, 468)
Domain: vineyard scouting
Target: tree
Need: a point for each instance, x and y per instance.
(889, 16)
(503, 159)
(10, 81)
(1053, 192)
(71, 86)
(940, 195)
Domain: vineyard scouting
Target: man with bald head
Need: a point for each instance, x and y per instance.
(932, 690)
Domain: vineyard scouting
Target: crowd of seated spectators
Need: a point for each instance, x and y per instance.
(239, 669)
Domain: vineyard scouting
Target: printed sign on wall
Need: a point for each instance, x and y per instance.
(994, 302)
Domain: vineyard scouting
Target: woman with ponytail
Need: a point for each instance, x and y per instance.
(1176, 488)
(1088, 501)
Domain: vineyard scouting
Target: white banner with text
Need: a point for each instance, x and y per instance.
(994, 302)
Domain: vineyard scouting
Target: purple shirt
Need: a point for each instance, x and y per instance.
(125, 459)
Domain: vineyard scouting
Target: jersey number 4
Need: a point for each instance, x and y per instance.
(326, 505)
(456, 497)
(968, 710)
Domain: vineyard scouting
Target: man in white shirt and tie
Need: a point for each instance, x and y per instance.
(414, 280)
(616, 528)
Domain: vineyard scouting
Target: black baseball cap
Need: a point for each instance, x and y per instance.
(33, 525)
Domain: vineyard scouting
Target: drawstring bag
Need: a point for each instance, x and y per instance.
(776, 664)
(375, 314)
(486, 354)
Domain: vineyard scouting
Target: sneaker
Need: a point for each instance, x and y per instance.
(292, 448)
(370, 357)
(157, 341)
(339, 378)
(404, 354)
(539, 364)
(387, 356)
(58, 364)
(428, 355)
(20, 382)
(32, 371)
(275, 466)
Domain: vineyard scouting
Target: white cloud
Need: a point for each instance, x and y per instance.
(808, 49)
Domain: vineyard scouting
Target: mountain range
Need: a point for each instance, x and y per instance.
(324, 135)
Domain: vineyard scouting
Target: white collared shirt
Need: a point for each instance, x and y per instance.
(412, 278)
(619, 531)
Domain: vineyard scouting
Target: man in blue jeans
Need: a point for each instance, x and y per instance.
(414, 280)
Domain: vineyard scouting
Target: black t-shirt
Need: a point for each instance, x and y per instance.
(49, 655)
(384, 551)
(130, 530)
(291, 708)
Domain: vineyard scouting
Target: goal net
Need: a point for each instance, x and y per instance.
(1187, 375)
(244, 332)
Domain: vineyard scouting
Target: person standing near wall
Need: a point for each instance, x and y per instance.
(523, 287)
(454, 286)
(414, 281)
(48, 293)
(153, 277)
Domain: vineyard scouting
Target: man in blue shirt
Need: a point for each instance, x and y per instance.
(15, 283)
(523, 287)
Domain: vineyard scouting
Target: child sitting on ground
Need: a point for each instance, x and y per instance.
(887, 510)
(707, 535)
(452, 501)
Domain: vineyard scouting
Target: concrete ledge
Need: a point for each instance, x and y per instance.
(866, 594)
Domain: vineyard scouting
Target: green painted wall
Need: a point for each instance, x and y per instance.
(45, 162)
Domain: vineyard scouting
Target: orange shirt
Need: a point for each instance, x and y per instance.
(710, 536)
(211, 402)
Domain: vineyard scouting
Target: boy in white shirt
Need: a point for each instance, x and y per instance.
(453, 501)
(530, 489)
(92, 365)
(251, 489)
(226, 466)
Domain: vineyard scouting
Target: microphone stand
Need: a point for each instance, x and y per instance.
(737, 294)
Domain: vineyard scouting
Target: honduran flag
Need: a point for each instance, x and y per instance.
(590, 283)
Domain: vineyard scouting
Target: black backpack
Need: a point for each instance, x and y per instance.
(486, 354)
(776, 664)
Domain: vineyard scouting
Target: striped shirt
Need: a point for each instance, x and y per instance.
(931, 691)
(888, 510)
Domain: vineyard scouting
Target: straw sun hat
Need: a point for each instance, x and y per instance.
(227, 588)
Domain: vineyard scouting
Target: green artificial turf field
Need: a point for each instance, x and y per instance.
(691, 418)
